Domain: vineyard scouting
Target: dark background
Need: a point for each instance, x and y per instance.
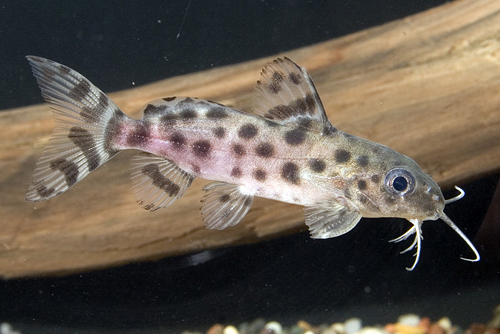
(118, 44)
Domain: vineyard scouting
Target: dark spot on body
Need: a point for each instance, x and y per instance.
(363, 161)
(169, 99)
(178, 141)
(342, 156)
(219, 132)
(295, 137)
(317, 165)
(295, 78)
(160, 181)
(188, 113)
(224, 198)
(247, 131)
(217, 113)
(290, 172)
(68, 168)
(139, 137)
(362, 185)
(151, 109)
(85, 141)
(186, 100)
(236, 172)
(203, 104)
(260, 175)
(168, 118)
(239, 149)
(265, 150)
(201, 148)
(375, 178)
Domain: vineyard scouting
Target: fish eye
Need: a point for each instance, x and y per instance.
(399, 181)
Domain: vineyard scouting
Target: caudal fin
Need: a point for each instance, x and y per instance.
(86, 122)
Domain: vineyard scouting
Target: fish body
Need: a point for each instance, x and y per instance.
(286, 150)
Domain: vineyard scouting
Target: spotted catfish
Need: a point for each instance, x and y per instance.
(287, 150)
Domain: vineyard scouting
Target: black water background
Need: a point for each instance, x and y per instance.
(119, 44)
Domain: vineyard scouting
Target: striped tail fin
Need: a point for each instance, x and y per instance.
(86, 123)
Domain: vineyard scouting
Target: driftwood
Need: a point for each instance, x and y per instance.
(427, 86)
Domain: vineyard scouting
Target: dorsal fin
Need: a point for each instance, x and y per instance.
(286, 94)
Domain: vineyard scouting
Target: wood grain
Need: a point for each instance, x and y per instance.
(427, 86)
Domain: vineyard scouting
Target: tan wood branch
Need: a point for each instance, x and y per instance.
(427, 85)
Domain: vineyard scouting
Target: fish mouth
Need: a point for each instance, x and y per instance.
(417, 230)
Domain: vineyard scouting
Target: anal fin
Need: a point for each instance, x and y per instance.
(224, 205)
(158, 182)
(330, 219)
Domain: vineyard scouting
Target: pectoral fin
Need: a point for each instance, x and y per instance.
(330, 219)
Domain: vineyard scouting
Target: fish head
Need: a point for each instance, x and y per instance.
(406, 191)
(392, 185)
